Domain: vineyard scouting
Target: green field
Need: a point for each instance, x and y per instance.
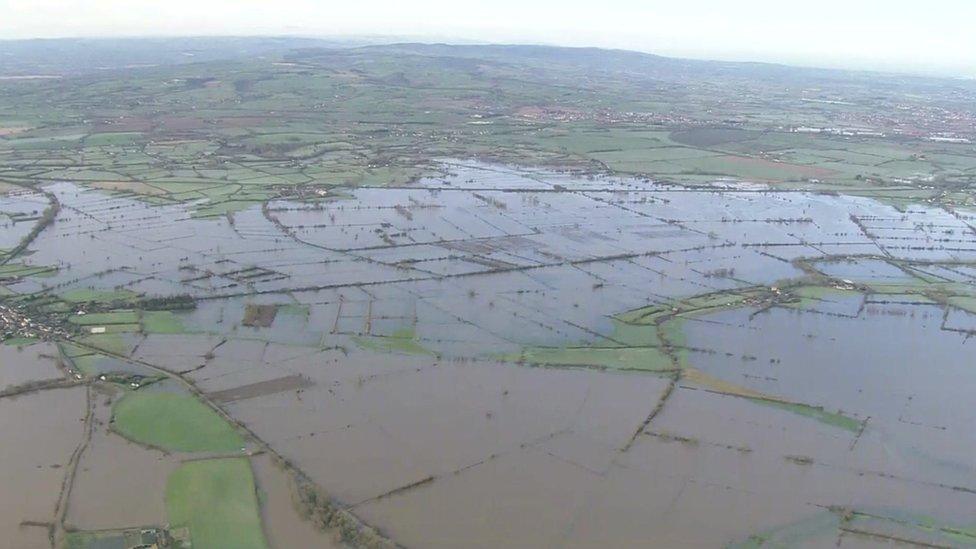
(177, 141)
(649, 359)
(161, 322)
(101, 319)
(110, 342)
(216, 499)
(402, 341)
(174, 422)
(85, 295)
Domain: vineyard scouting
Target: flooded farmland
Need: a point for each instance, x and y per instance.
(499, 357)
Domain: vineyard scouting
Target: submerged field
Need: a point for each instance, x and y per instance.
(417, 297)
(502, 357)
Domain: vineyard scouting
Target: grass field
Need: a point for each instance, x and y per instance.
(161, 322)
(109, 342)
(174, 422)
(120, 321)
(85, 295)
(217, 501)
(101, 319)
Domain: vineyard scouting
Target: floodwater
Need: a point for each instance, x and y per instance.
(892, 367)
(22, 364)
(19, 212)
(39, 432)
(284, 526)
(119, 484)
(422, 420)
(389, 373)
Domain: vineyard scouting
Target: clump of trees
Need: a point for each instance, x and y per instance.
(182, 302)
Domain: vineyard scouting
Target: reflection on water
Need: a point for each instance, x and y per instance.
(384, 373)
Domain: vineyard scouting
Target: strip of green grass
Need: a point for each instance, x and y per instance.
(175, 422)
(21, 341)
(835, 419)
(20, 270)
(217, 501)
(402, 341)
(649, 359)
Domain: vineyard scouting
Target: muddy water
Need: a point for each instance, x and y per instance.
(525, 499)
(892, 368)
(39, 433)
(283, 524)
(22, 364)
(462, 431)
(119, 484)
(461, 449)
(891, 363)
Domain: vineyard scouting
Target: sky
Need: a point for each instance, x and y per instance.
(930, 36)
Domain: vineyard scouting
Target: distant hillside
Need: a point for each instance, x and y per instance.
(74, 56)
(616, 60)
(71, 56)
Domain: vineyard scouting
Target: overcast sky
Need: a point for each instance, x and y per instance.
(934, 36)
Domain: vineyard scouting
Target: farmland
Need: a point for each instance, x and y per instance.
(217, 499)
(486, 296)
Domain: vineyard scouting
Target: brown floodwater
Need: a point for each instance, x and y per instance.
(119, 483)
(284, 526)
(39, 433)
(21, 364)
(461, 430)
(864, 437)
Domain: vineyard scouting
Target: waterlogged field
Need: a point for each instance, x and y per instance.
(496, 357)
